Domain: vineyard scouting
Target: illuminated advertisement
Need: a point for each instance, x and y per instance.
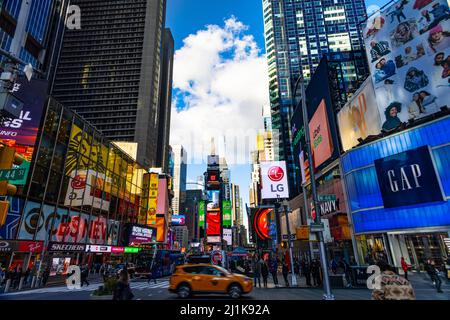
(163, 197)
(227, 215)
(178, 220)
(138, 234)
(149, 200)
(201, 214)
(22, 133)
(408, 47)
(228, 236)
(213, 223)
(160, 229)
(65, 226)
(359, 118)
(274, 180)
(378, 199)
(213, 200)
(86, 188)
(321, 143)
(213, 179)
(260, 224)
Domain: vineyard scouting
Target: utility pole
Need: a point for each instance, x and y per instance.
(316, 225)
(285, 205)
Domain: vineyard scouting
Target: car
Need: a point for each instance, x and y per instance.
(208, 279)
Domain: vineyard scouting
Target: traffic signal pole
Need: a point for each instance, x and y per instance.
(291, 258)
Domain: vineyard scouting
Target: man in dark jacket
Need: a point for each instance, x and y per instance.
(273, 268)
(316, 270)
(430, 268)
(84, 276)
(307, 272)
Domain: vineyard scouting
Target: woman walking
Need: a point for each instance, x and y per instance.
(264, 273)
(122, 290)
(285, 273)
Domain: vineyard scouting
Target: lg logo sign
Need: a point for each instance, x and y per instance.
(276, 174)
(275, 183)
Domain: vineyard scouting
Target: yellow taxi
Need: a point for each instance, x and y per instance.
(206, 279)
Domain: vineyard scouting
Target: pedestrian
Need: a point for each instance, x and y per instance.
(45, 276)
(264, 272)
(84, 275)
(285, 273)
(16, 277)
(296, 266)
(122, 290)
(391, 285)
(316, 270)
(307, 272)
(430, 268)
(273, 268)
(27, 276)
(405, 267)
(334, 266)
(257, 271)
(153, 273)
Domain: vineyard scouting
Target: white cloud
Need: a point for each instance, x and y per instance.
(221, 79)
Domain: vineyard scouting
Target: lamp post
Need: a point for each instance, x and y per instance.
(285, 205)
(316, 225)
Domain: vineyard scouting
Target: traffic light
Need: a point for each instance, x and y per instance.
(283, 244)
(8, 158)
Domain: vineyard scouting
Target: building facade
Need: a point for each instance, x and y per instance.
(111, 71)
(179, 178)
(190, 207)
(298, 34)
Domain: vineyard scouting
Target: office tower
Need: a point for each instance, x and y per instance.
(32, 31)
(110, 71)
(298, 34)
(181, 236)
(235, 204)
(225, 175)
(179, 178)
(190, 207)
(165, 101)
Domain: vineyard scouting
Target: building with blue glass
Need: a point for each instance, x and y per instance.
(38, 28)
(398, 192)
(298, 33)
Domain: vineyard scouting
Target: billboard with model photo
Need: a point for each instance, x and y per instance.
(408, 47)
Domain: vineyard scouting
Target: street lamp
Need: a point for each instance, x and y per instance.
(316, 225)
(285, 205)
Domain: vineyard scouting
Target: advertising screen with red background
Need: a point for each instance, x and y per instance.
(213, 223)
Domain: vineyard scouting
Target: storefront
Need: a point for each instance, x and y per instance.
(22, 254)
(398, 192)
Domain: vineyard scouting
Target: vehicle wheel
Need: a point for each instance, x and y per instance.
(235, 291)
(184, 291)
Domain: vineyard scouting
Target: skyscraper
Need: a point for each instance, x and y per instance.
(110, 71)
(179, 178)
(32, 30)
(298, 34)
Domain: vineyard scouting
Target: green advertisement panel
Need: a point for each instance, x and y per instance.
(227, 217)
(201, 214)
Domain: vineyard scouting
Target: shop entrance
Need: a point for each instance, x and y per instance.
(422, 247)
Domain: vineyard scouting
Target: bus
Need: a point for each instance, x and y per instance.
(163, 262)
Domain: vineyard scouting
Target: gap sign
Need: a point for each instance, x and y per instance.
(274, 180)
(408, 178)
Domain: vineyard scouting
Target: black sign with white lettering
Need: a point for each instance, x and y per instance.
(66, 247)
(408, 178)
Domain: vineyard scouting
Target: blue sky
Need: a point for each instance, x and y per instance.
(187, 18)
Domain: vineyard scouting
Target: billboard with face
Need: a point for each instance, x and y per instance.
(408, 47)
(22, 133)
(360, 117)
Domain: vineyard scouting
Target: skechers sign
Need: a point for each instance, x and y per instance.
(274, 180)
(408, 178)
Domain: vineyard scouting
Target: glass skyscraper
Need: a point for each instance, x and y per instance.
(298, 34)
(37, 28)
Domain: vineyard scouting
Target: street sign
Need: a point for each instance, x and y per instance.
(293, 237)
(327, 197)
(314, 227)
(12, 174)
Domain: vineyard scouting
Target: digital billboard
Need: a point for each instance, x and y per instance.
(408, 47)
(319, 129)
(201, 214)
(178, 220)
(21, 133)
(213, 200)
(213, 223)
(360, 117)
(139, 234)
(227, 214)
